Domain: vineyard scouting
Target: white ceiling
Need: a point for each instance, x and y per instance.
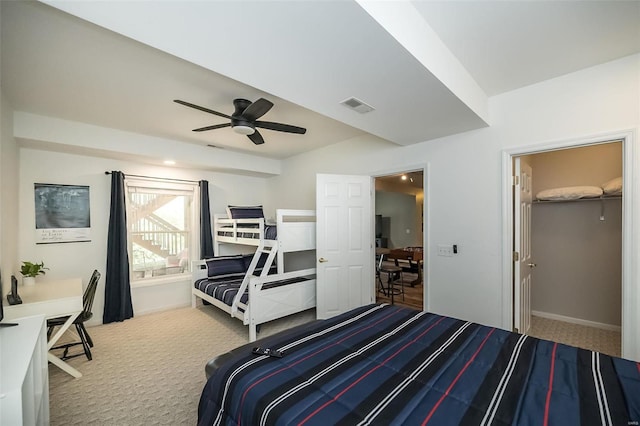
(506, 45)
(428, 77)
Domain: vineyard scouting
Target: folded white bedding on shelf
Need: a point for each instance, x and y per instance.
(570, 193)
(609, 188)
(613, 187)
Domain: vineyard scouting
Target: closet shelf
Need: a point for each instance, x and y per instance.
(602, 198)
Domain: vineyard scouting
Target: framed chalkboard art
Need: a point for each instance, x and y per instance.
(62, 213)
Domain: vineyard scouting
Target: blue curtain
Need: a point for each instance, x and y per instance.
(206, 236)
(117, 291)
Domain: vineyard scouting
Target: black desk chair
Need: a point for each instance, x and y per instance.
(85, 315)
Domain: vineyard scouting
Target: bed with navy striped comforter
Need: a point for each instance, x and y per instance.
(383, 364)
(226, 288)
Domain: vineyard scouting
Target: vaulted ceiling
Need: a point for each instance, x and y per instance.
(427, 68)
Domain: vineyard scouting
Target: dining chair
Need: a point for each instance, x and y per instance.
(381, 288)
(394, 273)
(85, 315)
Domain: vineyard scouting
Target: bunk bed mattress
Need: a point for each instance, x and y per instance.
(383, 364)
(248, 231)
(225, 289)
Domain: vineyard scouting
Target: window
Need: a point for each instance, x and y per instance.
(162, 228)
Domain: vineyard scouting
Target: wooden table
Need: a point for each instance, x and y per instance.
(53, 299)
(415, 258)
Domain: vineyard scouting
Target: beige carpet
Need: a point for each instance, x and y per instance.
(149, 369)
(595, 339)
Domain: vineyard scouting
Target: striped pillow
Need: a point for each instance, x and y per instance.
(260, 265)
(225, 265)
(245, 212)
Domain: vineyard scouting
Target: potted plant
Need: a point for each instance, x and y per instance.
(30, 271)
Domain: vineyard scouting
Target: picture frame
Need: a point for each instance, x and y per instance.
(62, 213)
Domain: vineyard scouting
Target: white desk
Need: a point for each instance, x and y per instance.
(24, 388)
(56, 298)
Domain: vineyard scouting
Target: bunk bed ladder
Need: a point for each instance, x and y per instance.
(269, 247)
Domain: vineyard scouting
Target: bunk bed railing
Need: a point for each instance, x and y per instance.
(293, 228)
(232, 225)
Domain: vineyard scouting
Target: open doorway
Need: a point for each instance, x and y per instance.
(568, 245)
(399, 232)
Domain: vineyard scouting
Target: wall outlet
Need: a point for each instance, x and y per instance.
(445, 250)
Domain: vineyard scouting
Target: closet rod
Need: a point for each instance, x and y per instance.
(158, 178)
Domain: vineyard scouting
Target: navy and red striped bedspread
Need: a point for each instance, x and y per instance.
(385, 365)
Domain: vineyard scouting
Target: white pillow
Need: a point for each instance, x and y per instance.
(613, 187)
(570, 193)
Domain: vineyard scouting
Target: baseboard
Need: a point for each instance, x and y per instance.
(97, 320)
(578, 321)
(163, 308)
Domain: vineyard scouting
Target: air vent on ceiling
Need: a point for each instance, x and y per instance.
(357, 105)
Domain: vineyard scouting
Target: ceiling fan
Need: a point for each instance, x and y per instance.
(244, 119)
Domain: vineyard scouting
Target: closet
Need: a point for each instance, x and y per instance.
(577, 243)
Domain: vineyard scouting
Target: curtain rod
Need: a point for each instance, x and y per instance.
(158, 178)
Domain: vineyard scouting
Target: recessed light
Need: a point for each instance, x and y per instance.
(169, 162)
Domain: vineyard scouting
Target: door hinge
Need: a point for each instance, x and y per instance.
(516, 256)
(515, 330)
(516, 180)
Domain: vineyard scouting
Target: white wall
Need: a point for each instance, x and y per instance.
(79, 259)
(418, 193)
(400, 208)
(464, 190)
(8, 195)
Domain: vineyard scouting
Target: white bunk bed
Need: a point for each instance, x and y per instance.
(270, 296)
(296, 231)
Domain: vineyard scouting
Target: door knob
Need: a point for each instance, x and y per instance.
(532, 265)
(322, 260)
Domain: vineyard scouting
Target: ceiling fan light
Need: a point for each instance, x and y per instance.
(244, 130)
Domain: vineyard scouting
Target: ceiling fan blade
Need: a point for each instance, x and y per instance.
(215, 126)
(210, 111)
(257, 109)
(256, 138)
(280, 127)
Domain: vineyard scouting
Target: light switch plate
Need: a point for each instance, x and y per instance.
(445, 250)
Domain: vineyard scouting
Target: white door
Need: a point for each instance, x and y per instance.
(522, 242)
(344, 243)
